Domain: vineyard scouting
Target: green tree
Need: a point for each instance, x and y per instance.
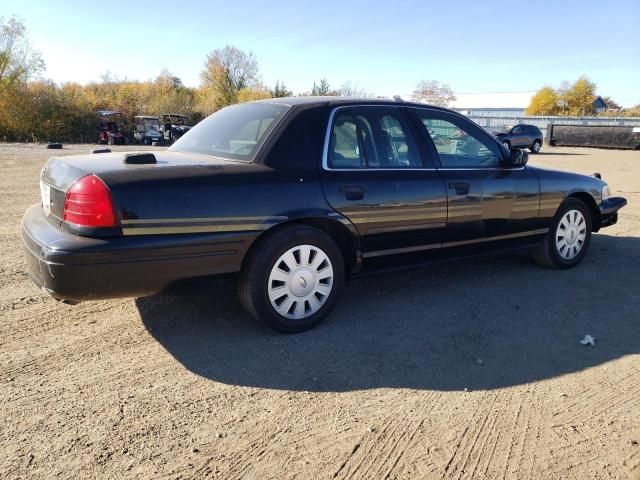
(169, 95)
(18, 61)
(321, 89)
(544, 102)
(226, 72)
(578, 99)
(280, 90)
(255, 92)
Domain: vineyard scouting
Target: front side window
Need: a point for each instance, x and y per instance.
(235, 132)
(457, 148)
(371, 138)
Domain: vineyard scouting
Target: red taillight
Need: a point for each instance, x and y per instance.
(88, 203)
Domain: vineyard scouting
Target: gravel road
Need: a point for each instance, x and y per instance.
(467, 369)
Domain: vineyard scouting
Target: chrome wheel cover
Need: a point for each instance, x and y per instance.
(571, 234)
(506, 145)
(536, 147)
(300, 282)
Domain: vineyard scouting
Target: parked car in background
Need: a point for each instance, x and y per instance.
(174, 126)
(295, 195)
(521, 136)
(147, 130)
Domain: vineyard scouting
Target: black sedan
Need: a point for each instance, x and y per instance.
(296, 195)
(521, 136)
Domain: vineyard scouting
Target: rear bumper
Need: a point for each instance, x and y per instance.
(609, 210)
(70, 267)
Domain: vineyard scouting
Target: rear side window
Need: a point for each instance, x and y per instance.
(457, 145)
(374, 137)
(300, 145)
(344, 151)
(235, 132)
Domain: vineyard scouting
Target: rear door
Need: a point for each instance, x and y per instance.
(534, 134)
(486, 199)
(377, 175)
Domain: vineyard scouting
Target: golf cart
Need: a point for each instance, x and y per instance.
(109, 128)
(147, 130)
(174, 125)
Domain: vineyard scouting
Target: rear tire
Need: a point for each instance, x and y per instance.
(292, 279)
(568, 239)
(506, 145)
(535, 148)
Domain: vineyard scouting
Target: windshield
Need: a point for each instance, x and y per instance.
(235, 132)
(151, 124)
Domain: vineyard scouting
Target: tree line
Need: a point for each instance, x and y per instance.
(33, 109)
(576, 100)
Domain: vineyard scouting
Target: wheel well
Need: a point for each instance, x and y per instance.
(591, 205)
(346, 241)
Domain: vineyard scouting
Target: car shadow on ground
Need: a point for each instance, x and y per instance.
(480, 323)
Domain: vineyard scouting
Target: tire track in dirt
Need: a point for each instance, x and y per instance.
(601, 400)
(389, 452)
(246, 454)
(47, 316)
(104, 339)
(372, 452)
(466, 447)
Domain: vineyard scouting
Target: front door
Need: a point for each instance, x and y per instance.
(486, 199)
(519, 137)
(375, 175)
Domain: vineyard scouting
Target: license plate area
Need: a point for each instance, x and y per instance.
(45, 193)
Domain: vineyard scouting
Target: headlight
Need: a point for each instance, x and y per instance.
(605, 192)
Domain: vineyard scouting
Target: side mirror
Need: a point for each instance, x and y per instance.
(518, 158)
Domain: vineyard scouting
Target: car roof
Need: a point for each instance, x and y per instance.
(342, 101)
(147, 116)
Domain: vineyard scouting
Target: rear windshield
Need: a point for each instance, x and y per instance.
(235, 132)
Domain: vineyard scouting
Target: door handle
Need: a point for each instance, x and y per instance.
(461, 188)
(353, 192)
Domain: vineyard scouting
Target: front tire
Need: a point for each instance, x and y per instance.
(506, 145)
(292, 279)
(536, 146)
(568, 239)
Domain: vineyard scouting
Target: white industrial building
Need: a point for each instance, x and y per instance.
(507, 104)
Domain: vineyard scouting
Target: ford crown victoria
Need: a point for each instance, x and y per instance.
(295, 195)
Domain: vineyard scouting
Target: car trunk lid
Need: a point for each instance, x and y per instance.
(138, 180)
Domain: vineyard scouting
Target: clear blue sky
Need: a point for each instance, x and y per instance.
(474, 46)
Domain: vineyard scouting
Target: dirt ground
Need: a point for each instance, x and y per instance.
(470, 369)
